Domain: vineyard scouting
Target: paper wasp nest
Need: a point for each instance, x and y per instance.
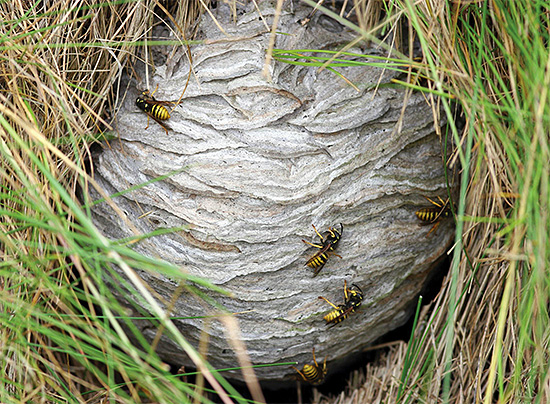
(263, 162)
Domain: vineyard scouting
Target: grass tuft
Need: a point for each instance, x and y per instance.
(487, 331)
(65, 336)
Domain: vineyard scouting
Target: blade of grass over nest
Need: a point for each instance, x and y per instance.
(55, 265)
(99, 299)
(23, 168)
(492, 58)
(332, 63)
(368, 35)
(138, 186)
(413, 356)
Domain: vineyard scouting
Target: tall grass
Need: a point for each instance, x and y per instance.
(64, 335)
(488, 330)
(493, 57)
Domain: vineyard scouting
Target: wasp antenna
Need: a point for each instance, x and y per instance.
(156, 88)
(358, 288)
(316, 231)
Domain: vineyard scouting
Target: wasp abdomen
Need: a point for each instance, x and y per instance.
(155, 110)
(317, 261)
(429, 214)
(314, 374)
(159, 112)
(336, 316)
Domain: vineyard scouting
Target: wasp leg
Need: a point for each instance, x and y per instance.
(332, 232)
(311, 244)
(438, 204)
(346, 289)
(156, 88)
(300, 373)
(441, 204)
(358, 288)
(329, 302)
(162, 124)
(314, 360)
(434, 227)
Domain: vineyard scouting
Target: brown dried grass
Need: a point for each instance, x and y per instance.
(60, 71)
(484, 312)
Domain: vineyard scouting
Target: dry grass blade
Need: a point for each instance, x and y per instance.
(60, 71)
(491, 57)
(234, 337)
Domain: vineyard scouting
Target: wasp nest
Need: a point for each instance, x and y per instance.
(262, 161)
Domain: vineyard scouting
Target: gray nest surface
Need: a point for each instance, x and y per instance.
(264, 160)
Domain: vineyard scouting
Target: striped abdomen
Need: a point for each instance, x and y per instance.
(157, 111)
(319, 259)
(432, 214)
(313, 374)
(338, 315)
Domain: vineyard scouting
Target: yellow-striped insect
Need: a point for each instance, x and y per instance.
(314, 374)
(328, 243)
(434, 214)
(154, 109)
(353, 297)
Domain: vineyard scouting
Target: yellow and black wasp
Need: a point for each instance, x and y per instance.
(327, 246)
(434, 214)
(154, 109)
(353, 297)
(314, 374)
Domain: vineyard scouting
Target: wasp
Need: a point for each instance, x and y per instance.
(353, 297)
(434, 214)
(154, 109)
(314, 374)
(326, 248)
